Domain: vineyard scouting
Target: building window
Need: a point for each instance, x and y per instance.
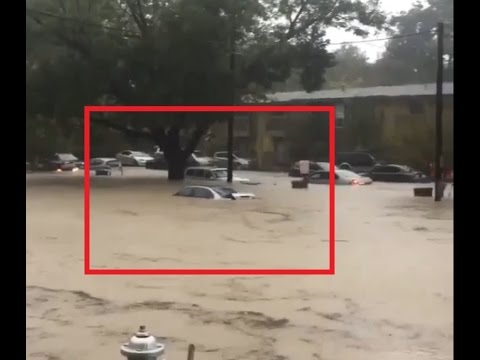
(415, 107)
(339, 115)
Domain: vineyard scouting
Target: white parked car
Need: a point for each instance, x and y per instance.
(213, 193)
(239, 163)
(342, 177)
(133, 158)
(107, 164)
(201, 160)
(207, 175)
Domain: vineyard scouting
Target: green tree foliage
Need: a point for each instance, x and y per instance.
(352, 69)
(413, 59)
(175, 52)
(408, 59)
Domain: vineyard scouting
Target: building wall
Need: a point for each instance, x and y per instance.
(387, 123)
(400, 113)
(408, 129)
(286, 129)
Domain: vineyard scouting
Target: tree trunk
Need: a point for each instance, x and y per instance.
(174, 155)
(176, 161)
(176, 166)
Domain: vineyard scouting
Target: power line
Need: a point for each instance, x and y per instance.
(383, 39)
(135, 35)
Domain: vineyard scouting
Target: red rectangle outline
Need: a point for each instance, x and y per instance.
(237, 108)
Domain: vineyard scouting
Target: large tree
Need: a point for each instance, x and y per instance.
(175, 52)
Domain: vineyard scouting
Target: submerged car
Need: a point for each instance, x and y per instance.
(213, 193)
(107, 165)
(342, 177)
(209, 175)
(398, 174)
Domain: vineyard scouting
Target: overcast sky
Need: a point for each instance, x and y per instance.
(373, 49)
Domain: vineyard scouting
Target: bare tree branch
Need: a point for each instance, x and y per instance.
(142, 15)
(138, 16)
(198, 133)
(122, 128)
(36, 19)
(293, 23)
(76, 45)
(327, 19)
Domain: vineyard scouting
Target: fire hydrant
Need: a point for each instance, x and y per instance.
(143, 346)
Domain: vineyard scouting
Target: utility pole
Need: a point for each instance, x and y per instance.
(439, 186)
(231, 114)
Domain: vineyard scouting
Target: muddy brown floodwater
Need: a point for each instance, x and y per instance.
(390, 299)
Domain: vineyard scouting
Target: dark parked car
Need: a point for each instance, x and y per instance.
(59, 162)
(313, 167)
(397, 173)
(355, 161)
(160, 163)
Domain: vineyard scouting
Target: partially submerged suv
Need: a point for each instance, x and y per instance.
(294, 170)
(355, 161)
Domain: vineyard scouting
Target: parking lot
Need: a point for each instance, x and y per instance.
(391, 297)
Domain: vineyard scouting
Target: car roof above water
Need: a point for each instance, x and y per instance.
(211, 168)
(104, 159)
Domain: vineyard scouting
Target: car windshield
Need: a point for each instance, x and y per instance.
(220, 173)
(139, 153)
(224, 192)
(346, 174)
(67, 157)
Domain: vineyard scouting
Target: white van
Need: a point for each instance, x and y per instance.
(209, 175)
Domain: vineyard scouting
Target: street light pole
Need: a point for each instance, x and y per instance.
(231, 114)
(439, 186)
